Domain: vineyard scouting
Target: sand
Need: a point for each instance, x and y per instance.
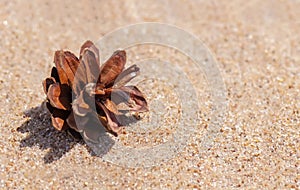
(255, 145)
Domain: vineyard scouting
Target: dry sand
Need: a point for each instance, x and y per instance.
(257, 46)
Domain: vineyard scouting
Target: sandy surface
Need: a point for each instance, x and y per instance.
(257, 46)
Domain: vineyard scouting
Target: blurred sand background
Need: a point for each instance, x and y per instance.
(256, 44)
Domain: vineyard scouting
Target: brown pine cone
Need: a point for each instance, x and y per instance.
(79, 92)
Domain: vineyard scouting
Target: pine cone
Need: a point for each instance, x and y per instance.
(79, 92)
